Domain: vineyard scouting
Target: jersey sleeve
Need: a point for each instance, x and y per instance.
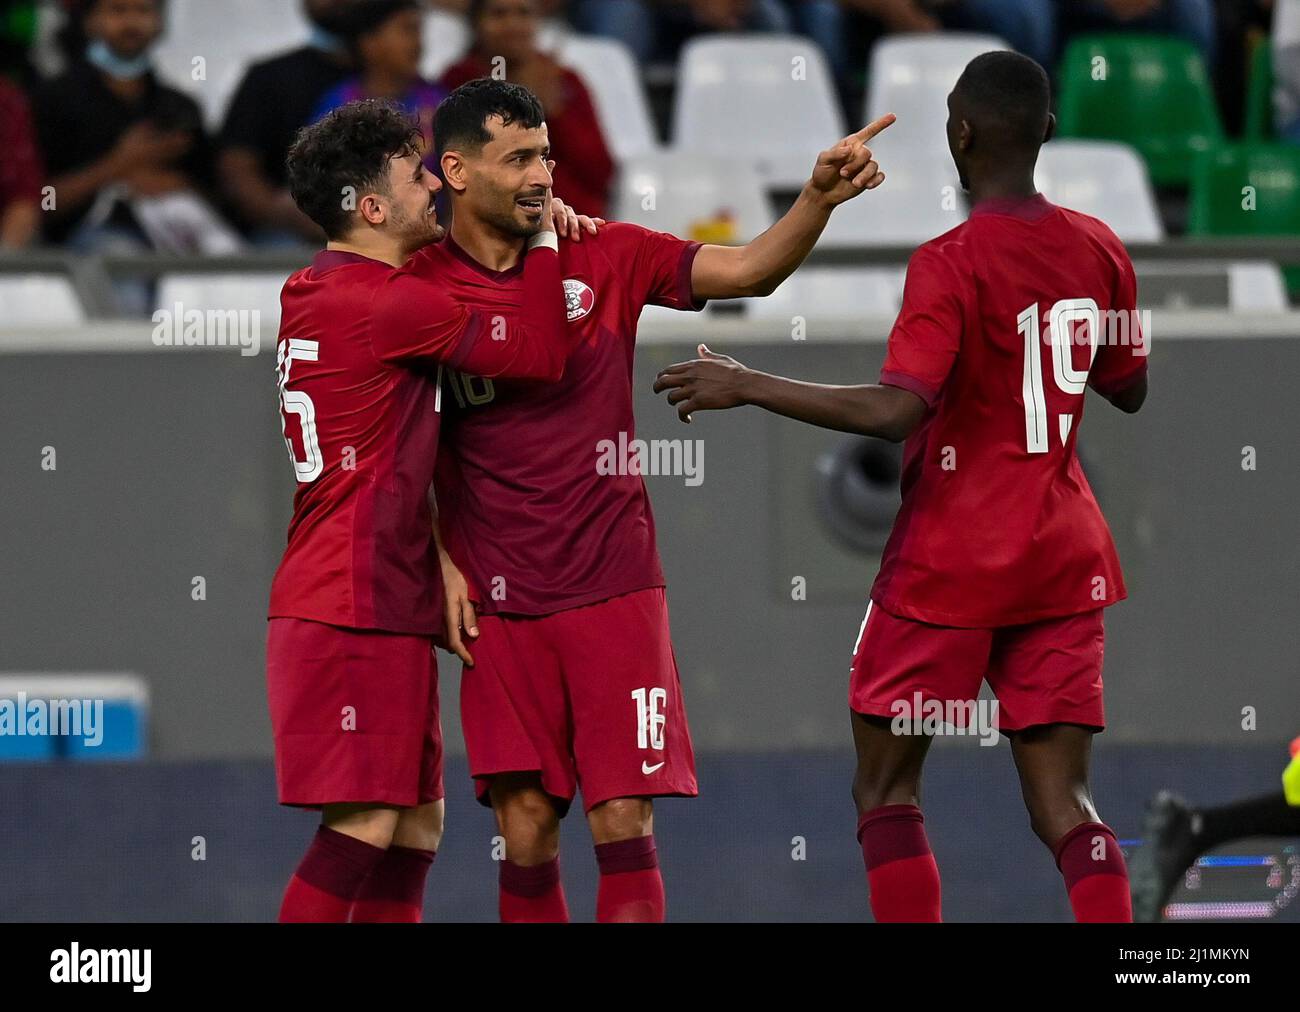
(661, 266)
(414, 319)
(1122, 347)
(927, 334)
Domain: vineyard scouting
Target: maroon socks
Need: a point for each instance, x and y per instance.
(631, 888)
(901, 874)
(532, 895)
(1095, 874)
(329, 877)
(393, 892)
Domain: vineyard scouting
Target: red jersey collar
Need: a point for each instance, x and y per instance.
(487, 272)
(1028, 208)
(328, 259)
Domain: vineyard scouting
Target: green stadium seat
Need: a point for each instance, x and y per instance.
(1220, 176)
(1217, 198)
(1150, 91)
(1259, 94)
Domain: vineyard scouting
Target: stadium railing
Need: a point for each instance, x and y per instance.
(93, 276)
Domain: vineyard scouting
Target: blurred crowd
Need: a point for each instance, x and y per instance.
(100, 154)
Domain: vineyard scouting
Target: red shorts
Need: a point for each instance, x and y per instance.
(1045, 672)
(354, 714)
(589, 697)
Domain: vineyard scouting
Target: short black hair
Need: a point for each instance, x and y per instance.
(1009, 93)
(366, 16)
(478, 8)
(462, 117)
(351, 147)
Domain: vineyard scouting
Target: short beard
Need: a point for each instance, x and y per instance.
(416, 234)
(507, 224)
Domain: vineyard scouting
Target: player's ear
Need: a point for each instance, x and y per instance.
(1051, 127)
(965, 136)
(372, 209)
(454, 170)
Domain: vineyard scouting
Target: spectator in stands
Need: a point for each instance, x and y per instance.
(386, 39)
(505, 37)
(21, 174)
(127, 155)
(1195, 20)
(656, 29)
(276, 99)
(846, 28)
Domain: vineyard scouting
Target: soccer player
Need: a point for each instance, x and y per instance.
(574, 683)
(351, 674)
(999, 563)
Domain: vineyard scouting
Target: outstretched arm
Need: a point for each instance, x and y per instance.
(714, 382)
(758, 268)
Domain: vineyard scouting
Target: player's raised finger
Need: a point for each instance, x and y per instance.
(876, 126)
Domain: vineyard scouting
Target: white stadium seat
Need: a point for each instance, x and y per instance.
(610, 73)
(225, 292)
(920, 198)
(39, 300)
(228, 35)
(680, 193)
(833, 292)
(1256, 286)
(766, 100)
(552, 34)
(1104, 179)
(911, 76)
(446, 39)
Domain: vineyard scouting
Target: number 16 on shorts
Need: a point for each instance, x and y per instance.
(650, 722)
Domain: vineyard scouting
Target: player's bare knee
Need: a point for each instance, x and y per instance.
(529, 823)
(621, 819)
(371, 824)
(420, 828)
(873, 788)
(1051, 819)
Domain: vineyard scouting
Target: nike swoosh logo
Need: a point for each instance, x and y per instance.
(647, 769)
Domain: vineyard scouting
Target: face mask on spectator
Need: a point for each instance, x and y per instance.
(100, 56)
(326, 41)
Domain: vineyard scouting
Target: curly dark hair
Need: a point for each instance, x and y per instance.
(350, 148)
(463, 114)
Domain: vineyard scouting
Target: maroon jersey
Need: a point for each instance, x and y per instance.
(523, 504)
(1005, 320)
(360, 348)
